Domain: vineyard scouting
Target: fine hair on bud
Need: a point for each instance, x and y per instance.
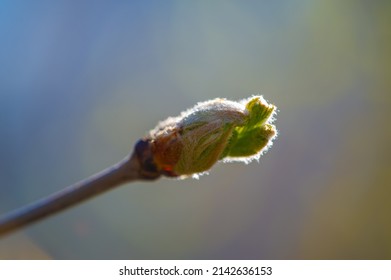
(215, 130)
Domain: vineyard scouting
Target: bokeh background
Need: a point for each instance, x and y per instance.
(81, 81)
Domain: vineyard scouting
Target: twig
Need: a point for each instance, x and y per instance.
(132, 168)
(179, 147)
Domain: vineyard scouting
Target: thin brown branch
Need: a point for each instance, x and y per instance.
(132, 168)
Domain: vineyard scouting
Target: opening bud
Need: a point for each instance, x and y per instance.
(214, 130)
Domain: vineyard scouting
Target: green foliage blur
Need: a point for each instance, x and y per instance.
(82, 81)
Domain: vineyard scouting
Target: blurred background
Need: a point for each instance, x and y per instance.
(82, 81)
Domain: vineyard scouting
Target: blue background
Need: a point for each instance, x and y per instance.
(81, 81)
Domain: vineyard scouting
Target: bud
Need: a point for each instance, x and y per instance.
(214, 130)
